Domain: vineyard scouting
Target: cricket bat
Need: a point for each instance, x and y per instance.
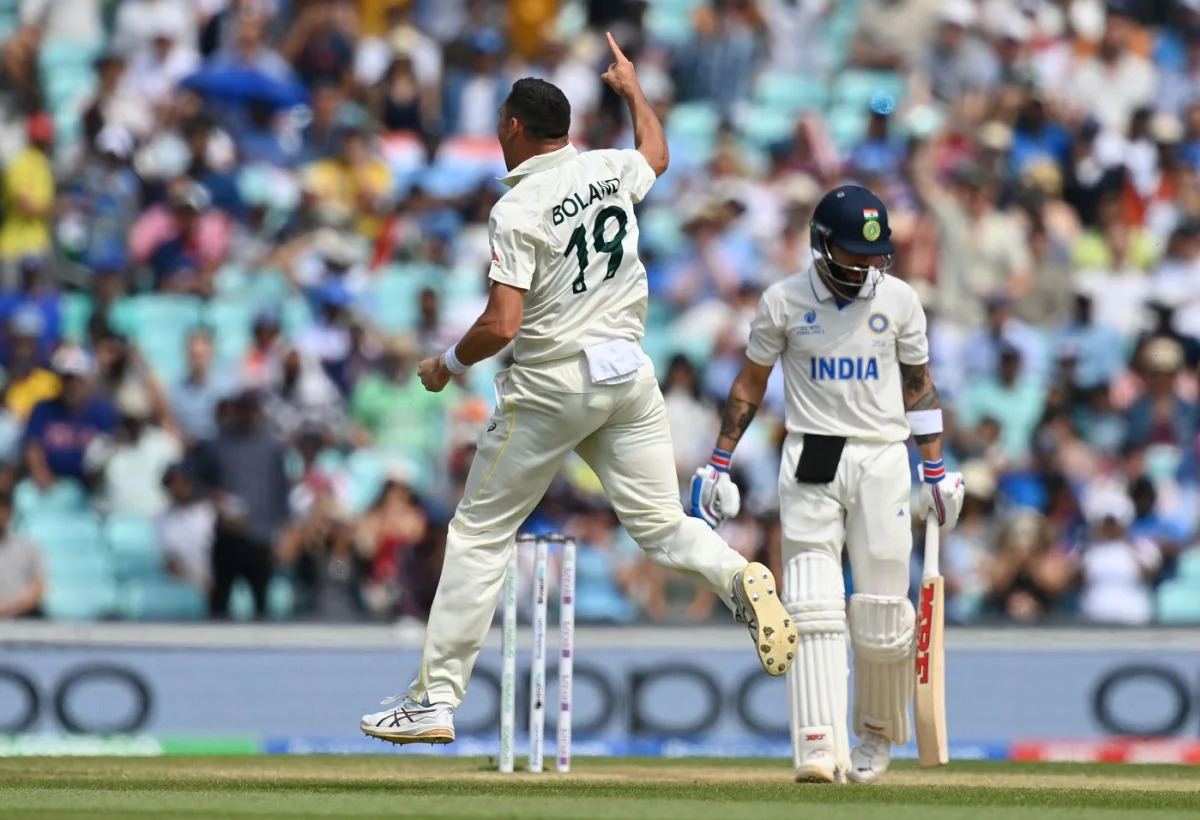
(929, 707)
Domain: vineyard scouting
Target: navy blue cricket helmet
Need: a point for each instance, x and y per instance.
(855, 220)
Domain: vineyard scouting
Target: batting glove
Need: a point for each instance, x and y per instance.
(715, 497)
(941, 494)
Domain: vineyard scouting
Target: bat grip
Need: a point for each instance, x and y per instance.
(933, 535)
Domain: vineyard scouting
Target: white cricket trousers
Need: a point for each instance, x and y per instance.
(864, 510)
(621, 431)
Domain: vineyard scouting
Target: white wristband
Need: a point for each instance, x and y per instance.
(925, 422)
(452, 362)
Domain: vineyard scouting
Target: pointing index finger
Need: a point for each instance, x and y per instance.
(616, 50)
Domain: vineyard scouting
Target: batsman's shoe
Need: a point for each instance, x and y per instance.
(770, 625)
(411, 722)
(818, 767)
(870, 758)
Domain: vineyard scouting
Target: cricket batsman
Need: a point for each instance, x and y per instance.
(856, 377)
(568, 286)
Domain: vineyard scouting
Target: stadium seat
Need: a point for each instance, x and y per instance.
(230, 319)
(76, 313)
(83, 599)
(846, 125)
(161, 600)
(1189, 568)
(231, 281)
(65, 531)
(281, 600)
(763, 127)
(671, 21)
(855, 88)
(393, 303)
(31, 503)
(694, 124)
(161, 324)
(661, 231)
(72, 563)
(790, 91)
(1179, 602)
(134, 546)
(268, 289)
(296, 316)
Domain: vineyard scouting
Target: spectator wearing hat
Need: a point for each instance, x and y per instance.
(892, 33)
(60, 429)
(102, 203)
(28, 194)
(983, 250)
(1011, 397)
(357, 180)
(266, 346)
(184, 235)
(471, 97)
(126, 467)
(22, 572)
(194, 399)
(1162, 416)
(327, 339)
(165, 58)
(390, 409)
(186, 529)
(35, 292)
(957, 64)
(300, 392)
(242, 471)
(1116, 81)
(1180, 87)
(28, 382)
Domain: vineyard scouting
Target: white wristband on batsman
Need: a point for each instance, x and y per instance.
(452, 362)
(925, 422)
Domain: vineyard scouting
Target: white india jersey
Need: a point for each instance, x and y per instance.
(841, 365)
(566, 234)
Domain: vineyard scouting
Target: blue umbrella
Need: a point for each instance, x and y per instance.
(245, 85)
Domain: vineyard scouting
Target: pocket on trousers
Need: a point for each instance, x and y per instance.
(819, 459)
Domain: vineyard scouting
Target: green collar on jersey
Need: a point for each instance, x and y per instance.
(539, 162)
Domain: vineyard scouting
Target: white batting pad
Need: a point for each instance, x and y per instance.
(882, 629)
(818, 681)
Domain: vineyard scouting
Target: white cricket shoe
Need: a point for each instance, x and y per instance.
(818, 767)
(411, 722)
(771, 627)
(870, 758)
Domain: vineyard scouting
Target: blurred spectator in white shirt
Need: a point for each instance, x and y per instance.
(1115, 82)
(140, 22)
(1116, 570)
(128, 465)
(186, 528)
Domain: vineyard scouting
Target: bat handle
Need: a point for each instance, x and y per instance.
(930, 569)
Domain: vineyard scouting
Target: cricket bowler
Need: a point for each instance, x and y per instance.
(856, 377)
(568, 286)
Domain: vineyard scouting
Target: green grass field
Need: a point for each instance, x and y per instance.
(626, 789)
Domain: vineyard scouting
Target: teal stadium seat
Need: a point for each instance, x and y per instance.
(694, 125)
(133, 543)
(281, 600)
(161, 600)
(85, 599)
(394, 298)
(230, 319)
(671, 21)
(790, 91)
(763, 127)
(846, 125)
(31, 503)
(1178, 602)
(162, 323)
(1189, 567)
(65, 531)
(76, 311)
(855, 87)
(296, 316)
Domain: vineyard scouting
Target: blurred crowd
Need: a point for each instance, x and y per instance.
(229, 229)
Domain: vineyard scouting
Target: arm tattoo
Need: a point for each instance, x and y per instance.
(920, 393)
(737, 417)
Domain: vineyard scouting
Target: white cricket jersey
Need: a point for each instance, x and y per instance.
(565, 233)
(841, 365)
